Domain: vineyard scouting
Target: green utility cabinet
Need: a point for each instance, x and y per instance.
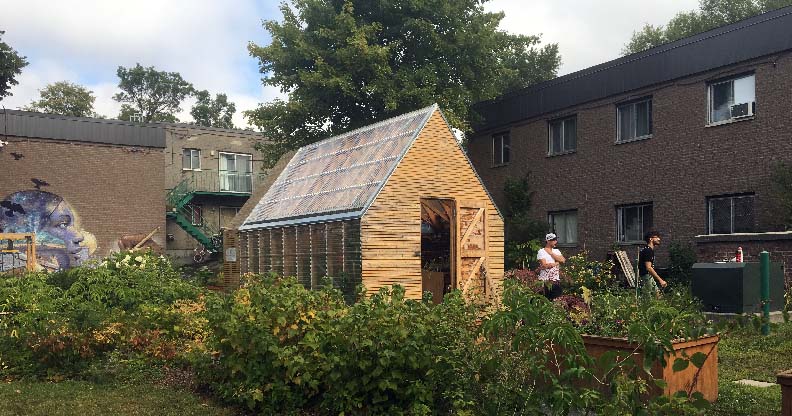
(735, 287)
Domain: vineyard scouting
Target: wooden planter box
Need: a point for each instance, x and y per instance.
(785, 380)
(707, 382)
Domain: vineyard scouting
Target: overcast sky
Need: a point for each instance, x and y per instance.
(205, 40)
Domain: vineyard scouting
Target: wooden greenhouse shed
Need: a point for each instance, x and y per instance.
(396, 202)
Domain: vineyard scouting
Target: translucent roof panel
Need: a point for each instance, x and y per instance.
(341, 174)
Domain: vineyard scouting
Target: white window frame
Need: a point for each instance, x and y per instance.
(749, 99)
(731, 199)
(222, 172)
(196, 214)
(563, 122)
(501, 149)
(621, 232)
(634, 115)
(563, 234)
(192, 151)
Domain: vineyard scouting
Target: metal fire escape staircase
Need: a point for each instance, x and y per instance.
(178, 200)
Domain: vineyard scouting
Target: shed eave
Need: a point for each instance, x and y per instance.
(341, 216)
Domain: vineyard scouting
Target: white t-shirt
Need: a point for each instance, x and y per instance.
(548, 274)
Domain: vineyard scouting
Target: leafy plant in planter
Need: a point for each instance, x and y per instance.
(579, 271)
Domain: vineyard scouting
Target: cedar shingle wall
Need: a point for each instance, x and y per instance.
(434, 167)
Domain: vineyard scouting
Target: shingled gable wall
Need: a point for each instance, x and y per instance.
(434, 167)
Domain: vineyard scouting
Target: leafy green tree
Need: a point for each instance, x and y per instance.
(348, 63)
(523, 233)
(11, 65)
(155, 95)
(64, 98)
(711, 14)
(213, 113)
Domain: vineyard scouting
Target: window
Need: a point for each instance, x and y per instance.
(563, 136)
(236, 171)
(731, 99)
(191, 159)
(633, 221)
(501, 149)
(634, 120)
(564, 225)
(731, 214)
(196, 214)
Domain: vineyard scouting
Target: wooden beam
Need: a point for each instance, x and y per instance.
(146, 238)
(473, 273)
(427, 203)
(469, 230)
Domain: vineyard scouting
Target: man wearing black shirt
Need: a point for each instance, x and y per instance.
(646, 265)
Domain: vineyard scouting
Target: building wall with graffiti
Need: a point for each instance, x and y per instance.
(81, 198)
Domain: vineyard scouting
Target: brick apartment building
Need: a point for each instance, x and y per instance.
(124, 179)
(85, 186)
(209, 174)
(681, 138)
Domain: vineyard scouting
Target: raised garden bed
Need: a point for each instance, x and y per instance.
(707, 381)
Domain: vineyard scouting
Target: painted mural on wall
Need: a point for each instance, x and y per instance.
(60, 240)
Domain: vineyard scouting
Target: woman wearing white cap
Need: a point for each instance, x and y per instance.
(550, 258)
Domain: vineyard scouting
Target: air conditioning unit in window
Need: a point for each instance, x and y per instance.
(742, 110)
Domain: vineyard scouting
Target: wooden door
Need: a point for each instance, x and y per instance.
(471, 249)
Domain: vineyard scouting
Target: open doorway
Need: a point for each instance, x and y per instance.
(437, 256)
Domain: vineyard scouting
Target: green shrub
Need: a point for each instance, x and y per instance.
(682, 257)
(281, 347)
(579, 271)
(59, 325)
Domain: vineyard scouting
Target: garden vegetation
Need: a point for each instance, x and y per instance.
(274, 347)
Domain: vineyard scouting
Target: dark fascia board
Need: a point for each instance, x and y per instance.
(82, 129)
(761, 35)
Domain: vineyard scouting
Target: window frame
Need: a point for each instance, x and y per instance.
(196, 214)
(505, 143)
(551, 220)
(731, 198)
(634, 114)
(620, 231)
(191, 150)
(563, 122)
(710, 99)
(238, 173)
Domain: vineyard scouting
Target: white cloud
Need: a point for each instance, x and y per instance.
(588, 32)
(85, 41)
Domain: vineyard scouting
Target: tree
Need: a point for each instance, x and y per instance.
(213, 113)
(348, 63)
(711, 14)
(155, 95)
(64, 98)
(11, 65)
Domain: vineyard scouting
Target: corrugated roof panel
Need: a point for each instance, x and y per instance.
(340, 174)
(58, 127)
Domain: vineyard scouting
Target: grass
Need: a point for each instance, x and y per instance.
(77, 398)
(744, 353)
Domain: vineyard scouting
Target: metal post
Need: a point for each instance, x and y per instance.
(764, 268)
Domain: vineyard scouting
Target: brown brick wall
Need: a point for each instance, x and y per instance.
(114, 190)
(780, 249)
(676, 169)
